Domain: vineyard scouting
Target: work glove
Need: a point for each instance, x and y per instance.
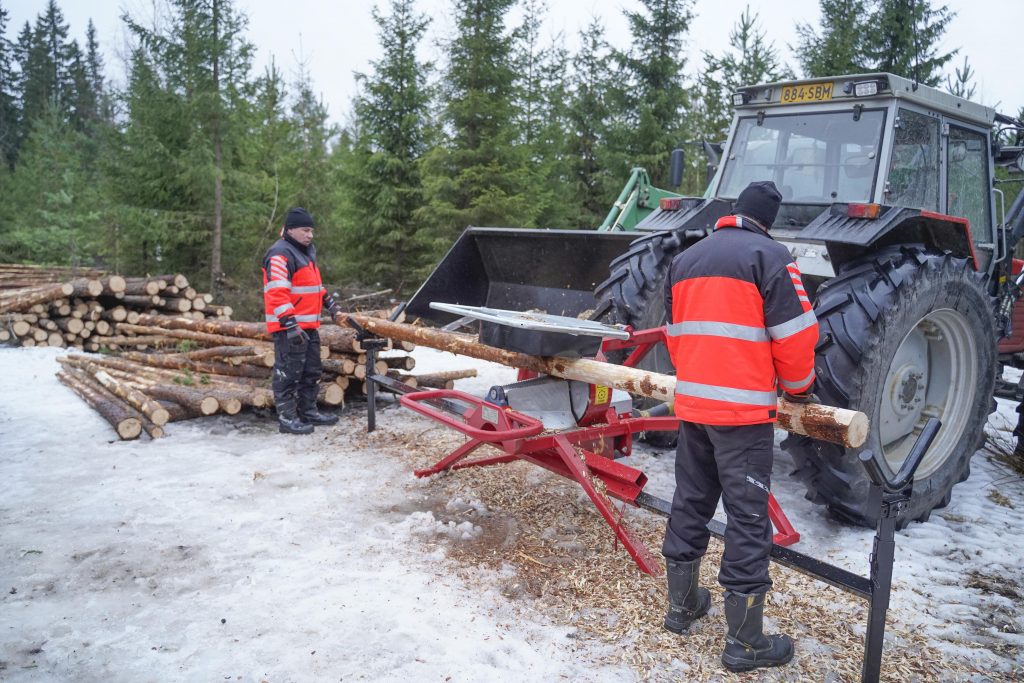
(805, 397)
(333, 308)
(297, 337)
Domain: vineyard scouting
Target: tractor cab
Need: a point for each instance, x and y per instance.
(863, 145)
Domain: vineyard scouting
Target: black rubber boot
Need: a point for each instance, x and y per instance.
(308, 412)
(687, 601)
(746, 645)
(315, 417)
(288, 421)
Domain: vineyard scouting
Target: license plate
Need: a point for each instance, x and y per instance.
(819, 92)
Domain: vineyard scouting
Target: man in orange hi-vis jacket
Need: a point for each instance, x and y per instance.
(292, 296)
(741, 329)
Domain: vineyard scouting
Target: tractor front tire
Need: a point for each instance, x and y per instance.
(905, 334)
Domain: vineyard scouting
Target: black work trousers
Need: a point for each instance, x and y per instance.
(734, 463)
(297, 370)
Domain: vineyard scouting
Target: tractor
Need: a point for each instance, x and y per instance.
(893, 212)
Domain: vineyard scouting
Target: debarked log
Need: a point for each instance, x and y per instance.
(837, 425)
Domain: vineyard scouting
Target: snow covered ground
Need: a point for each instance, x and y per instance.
(226, 551)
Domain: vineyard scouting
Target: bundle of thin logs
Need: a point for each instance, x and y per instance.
(203, 367)
(64, 307)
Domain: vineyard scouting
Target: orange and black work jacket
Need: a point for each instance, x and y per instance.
(741, 326)
(292, 288)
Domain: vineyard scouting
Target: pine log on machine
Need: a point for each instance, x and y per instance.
(837, 425)
(124, 420)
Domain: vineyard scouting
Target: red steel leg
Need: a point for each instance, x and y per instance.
(636, 548)
(447, 461)
(786, 534)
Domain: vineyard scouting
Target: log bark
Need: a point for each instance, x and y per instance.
(135, 398)
(84, 287)
(179, 412)
(177, 279)
(141, 300)
(190, 397)
(837, 425)
(443, 380)
(144, 286)
(24, 299)
(400, 362)
(331, 394)
(201, 367)
(223, 352)
(114, 283)
(113, 410)
(339, 367)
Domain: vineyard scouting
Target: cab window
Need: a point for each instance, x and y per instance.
(967, 184)
(913, 179)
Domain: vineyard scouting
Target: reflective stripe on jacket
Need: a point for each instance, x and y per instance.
(292, 286)
(741, 326)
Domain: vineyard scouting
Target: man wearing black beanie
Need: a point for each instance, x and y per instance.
(741, 327)
(293, 293)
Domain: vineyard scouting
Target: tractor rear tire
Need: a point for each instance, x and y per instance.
(634, 294)
(904, 334)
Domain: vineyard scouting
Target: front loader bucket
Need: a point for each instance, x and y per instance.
(553, 271)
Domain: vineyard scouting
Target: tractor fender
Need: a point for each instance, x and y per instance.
(848, 238)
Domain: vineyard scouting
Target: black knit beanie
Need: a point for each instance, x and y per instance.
(759, 201)
(298, 218)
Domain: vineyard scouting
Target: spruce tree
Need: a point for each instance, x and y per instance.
(203, 61)
(840, 46)
(904, 36)
(656, 98)
(384, 242)
(752, 59)
(45, 67)
(8, 97)
(478, 176)
(589, 117)
(962, 83)
(541, 86)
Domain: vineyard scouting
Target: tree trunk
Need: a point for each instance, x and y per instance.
(218, 199)
(838, 425)
(443, 380)
(113, 410)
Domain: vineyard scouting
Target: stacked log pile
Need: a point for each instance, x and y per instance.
(81, 309)
(167, 352)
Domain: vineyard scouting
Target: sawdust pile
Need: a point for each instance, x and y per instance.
(570, 568)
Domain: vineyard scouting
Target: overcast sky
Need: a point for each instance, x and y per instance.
(336, 39)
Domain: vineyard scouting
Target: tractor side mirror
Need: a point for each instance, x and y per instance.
(678, 160)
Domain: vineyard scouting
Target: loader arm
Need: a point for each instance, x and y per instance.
(636, 201)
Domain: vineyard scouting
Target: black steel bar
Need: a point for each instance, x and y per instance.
(371, 388)
(805, 564)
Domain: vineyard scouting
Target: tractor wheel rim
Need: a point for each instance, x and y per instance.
(932, 374)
